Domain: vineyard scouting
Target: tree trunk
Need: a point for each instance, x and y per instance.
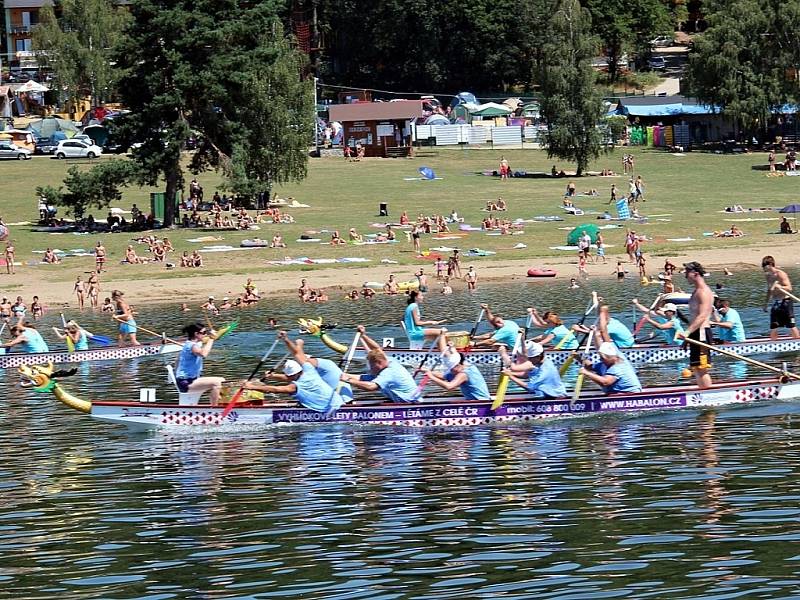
(172, 177)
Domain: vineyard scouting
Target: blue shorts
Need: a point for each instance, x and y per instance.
(127, 326)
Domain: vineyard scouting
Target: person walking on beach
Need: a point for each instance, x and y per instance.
(10, 255)
(80, 292)
(613, 199)
(94, 289)
(99, 257)
(701, 305)
(782, 312)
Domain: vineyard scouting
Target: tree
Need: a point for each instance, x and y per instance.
(570, 103)
(97, 187)
(226, 70)
(747, 61)
(77, 46)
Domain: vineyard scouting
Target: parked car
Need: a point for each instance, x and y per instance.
(77, 149)
(657, 63)
(11, 150)
(662, 41)
(45, 145)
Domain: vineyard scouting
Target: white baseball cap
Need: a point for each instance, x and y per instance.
(451, 360)
(670, 306)
(292, 367)
(533, 349)
(608, 349)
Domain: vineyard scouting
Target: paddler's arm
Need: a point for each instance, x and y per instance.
(204, 349)
(513, 377)
(17, 340)
(443, 383)
(657, 325)
(58, 333)
(536, 318)
(769, 295)
(289, 388)
(516, 368)
(368, 341)
(359, 384)
(602, 380)
(294, 346)
(723, 324)
(489, 316)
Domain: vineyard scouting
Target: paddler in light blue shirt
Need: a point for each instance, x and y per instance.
(459, 374)
(302, 380)
(543, 379)
(668, 322)
(505, 331)
(76, 335)
(386, 375)
(328, 370)
(556, 333)
(27, 338)
(730, 325)
(190, 364)
(610, 329)
(613, 372)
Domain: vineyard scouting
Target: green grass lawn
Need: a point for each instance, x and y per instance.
(692, 189)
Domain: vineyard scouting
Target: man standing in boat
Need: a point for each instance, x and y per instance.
(190, 364)
(303, 381)
(459, 374)
(543, 380)
(505, 331)
(386, 375)
(612, 372)
(701, 304)
(782, 312)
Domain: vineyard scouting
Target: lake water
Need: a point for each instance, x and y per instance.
(663, 505)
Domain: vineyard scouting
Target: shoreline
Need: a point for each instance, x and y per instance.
(336, 281)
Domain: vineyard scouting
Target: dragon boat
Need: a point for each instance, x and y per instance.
(639, 354)
(432, 411)
(11, 360)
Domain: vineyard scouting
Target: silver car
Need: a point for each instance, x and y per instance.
(77, 149)
(11, 150)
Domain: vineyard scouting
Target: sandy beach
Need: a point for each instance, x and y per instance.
(337, 280)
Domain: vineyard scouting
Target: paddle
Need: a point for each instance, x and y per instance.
(151, 332)
(348, 359)
(434, 344)
(571, 357)
(579, 382)
(238, 394)
(644, 318)
(746, 359)
(68, 339)
(787, 293)
(426, 378)
(474, 329)
(502, 384)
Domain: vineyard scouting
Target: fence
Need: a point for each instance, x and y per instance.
(452, 135)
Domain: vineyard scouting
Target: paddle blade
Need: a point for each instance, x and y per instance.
(567, 364)
(502, 388)
(70, 344)
(226, 330)
(578, 385)
(639, 325)
(102, 340)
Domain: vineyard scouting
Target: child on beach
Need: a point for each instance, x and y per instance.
(582, 265)
(620, 270)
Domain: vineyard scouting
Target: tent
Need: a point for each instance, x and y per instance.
(437, 119)
(463, 98)
(577, 233)
(513, 103)
(427, 173)
(490, 109)
(98, 133)
(32, 86)
(50, 125)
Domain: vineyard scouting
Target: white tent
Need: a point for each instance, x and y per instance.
(32, 86)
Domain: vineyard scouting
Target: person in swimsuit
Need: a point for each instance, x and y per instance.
(99, 257)
(782, 312)
(18, 309)
(94, 289)
(37, 310)
(5, 308)
(701, 305)
(10, 255)
(124, 315)
(80, 292)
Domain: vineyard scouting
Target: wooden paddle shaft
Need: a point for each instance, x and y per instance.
(746, 359)
(787, 293)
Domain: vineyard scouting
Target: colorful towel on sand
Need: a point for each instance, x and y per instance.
(623, 212)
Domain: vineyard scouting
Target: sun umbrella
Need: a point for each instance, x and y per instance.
(791, 209)
(577, 233)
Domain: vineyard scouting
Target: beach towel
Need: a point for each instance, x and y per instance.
(623, 212)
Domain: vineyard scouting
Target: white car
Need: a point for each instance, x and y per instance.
(77, 149)
(662, 41)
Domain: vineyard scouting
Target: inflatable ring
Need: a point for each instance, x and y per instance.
(534, 272)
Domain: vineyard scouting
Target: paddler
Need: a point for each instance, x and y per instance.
(701, 304)
(459, 374)
(555, 333)
(782, 312)
(609, 329)
(729, 325)
(612, 372)
(27, 338)
(303, 381)
(667, 321)
(327, 369)
(73, 331)
(416, 328)
(190, 363)
(505, 331)
(124, 315)
(386, 375)
(543, 380)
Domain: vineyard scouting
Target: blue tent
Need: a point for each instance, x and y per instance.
(427, 173)
(463, 98)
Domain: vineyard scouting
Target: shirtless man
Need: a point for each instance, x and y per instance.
(422, 279)
(304, 290)
(80, 292)
(10, 258)
(471, 278)
(782, 313)
(99, 257)
(701, 305)
(391, 287)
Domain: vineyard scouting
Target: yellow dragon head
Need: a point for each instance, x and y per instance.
(37, 376)
(311, 326)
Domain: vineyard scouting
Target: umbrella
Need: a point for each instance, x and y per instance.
(32, 86)
(791, 209)
(575, 234)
